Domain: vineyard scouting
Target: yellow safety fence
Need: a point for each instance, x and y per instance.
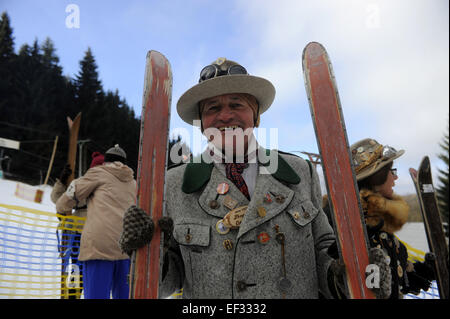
(38, 254)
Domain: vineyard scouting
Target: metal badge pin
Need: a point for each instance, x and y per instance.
(234, 218)
(188, 236)
(222, 188)
(228, 244)
(221, 228)
(263, 237)
(279, 199)
(229, 202)
(267, 198)
(400, 271)
(261, 211)
(296, 215)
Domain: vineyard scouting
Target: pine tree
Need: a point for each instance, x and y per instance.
(6, 38)
(89, 87)
(443, 189)
(90, 101)
(49, 57)
(6, 66)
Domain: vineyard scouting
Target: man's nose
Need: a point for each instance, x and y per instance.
(226, 114)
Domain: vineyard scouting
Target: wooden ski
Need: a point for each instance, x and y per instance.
(74, 127)
(337, 167)
(155, 117)
(423, 182)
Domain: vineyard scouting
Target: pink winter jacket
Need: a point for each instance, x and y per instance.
(109, 190)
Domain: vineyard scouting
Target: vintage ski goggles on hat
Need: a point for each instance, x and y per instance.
(388, 152)
(369, 156)
(214, 70)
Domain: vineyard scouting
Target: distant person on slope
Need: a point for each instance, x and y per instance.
(109, 190)
(71, 238)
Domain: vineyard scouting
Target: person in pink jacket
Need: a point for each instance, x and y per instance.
(109, 190)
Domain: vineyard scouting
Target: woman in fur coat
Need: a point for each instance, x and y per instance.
(385, 213)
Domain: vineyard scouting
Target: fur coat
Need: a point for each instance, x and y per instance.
(394, 212)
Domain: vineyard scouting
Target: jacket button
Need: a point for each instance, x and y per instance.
(214, 204)
(241, 285)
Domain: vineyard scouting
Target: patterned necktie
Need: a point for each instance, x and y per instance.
(234, 174)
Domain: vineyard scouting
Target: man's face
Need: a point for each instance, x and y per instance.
(223, 115)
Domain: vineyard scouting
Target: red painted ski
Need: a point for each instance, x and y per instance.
(74, 127)
(423, 182)
(145, 263)
(340, 178)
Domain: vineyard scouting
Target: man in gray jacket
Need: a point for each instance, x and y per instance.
(247, 222)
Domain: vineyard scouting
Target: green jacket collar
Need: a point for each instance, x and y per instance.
(198, 173)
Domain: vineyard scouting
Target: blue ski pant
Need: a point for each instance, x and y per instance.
(103, 278)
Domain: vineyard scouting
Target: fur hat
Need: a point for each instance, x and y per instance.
(97, 159)
(229, 77)
(369, 157)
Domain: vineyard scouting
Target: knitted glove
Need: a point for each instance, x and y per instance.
(383, 288)
(137, 230)
(423, 275)
(66, 172)
(426, 269)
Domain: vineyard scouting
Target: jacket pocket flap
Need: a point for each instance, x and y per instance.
(303, 213)
(192, 234)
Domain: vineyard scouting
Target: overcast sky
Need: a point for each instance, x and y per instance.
(390, 58)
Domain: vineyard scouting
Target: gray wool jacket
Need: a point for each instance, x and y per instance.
(250, 261)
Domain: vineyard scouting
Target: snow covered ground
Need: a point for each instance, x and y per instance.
(7, 197)
(412, 233)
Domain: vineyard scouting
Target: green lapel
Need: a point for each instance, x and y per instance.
(284, 172)
(198, 173)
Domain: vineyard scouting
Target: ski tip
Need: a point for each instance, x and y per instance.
(413, 173)
(312, 51)
(158, 58)
(425, 164)
(313, 47)
(156, 55)
(425, 160)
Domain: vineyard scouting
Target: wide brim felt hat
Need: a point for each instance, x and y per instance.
(369, 157)
(262, 89)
